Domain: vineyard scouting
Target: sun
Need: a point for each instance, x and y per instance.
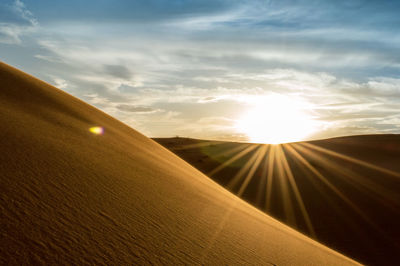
(277, 119)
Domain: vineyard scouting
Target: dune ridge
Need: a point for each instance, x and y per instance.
(72, 197)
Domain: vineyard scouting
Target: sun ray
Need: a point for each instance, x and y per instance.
(359, 182)
(260, 155)
(234, 181)
(256, 157)
(297, 194)
(309, 174)
(231, 160)
(286, 198)
(271, 157)
(233, 150)
(327, 183)
(351, 159)
(339, 193)
(263, 176)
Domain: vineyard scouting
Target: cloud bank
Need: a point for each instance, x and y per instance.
(190, 68)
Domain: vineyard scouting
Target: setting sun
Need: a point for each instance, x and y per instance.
(276, 119)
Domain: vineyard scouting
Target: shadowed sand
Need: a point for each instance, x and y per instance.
(344, 192)
(73, 197)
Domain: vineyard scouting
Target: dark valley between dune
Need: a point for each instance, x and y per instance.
(343, 192)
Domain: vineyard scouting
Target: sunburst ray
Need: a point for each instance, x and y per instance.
(260, 155)
(263, 176)
(234, 181)
(297, 194)
(329, 184)
(270, 174)
(350, 159)
(358, 181)
(286, 197)
(231, 160)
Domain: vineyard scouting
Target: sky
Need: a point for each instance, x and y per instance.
(193, 67)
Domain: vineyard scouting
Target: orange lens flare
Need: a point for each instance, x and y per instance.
(97, 130)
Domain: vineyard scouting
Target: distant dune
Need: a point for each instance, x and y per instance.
(348, 187)
(69, 196)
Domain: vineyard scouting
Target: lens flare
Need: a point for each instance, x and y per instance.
(97, 130)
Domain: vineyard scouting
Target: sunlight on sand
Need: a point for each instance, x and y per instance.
(97, 130)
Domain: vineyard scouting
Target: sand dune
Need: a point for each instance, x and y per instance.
(349, 187)
(72, 197)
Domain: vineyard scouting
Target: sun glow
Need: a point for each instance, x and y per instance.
(277, 119)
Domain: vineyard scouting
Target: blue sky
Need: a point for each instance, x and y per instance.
(191, 68)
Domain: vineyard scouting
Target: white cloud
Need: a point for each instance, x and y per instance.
(163, 77)
(60, 83)
(21, 10)
(25, 22)
(47, 58)
(385, 86)
(140, 109)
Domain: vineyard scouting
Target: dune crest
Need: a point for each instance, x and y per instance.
(71, 196)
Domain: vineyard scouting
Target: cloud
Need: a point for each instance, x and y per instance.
(20, 9)
(118, 71)
(176, 82)
(384, 86)
(15, 21)
(211, 99)
(60, 83)
(136, 109)
(185, 62)
(216, 121)
(123, 11)
(47, 58)
(180, 89)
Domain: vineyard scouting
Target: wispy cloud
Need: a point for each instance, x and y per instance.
(136, 109)
(15, 21)
(187, 67)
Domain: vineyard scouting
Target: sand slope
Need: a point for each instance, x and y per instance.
(360, 219)
(72, 197)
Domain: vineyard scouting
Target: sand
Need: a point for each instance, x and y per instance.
(353, 206)
(69, 196)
